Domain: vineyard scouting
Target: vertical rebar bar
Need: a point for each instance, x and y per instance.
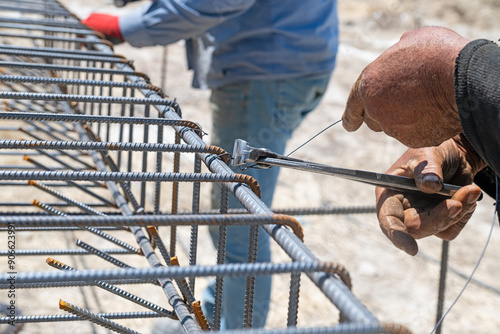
(442, 284)
(194, 229)
(221, 259)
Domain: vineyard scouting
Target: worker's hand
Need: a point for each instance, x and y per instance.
(408, 91)
(105, 24)
(404, 217)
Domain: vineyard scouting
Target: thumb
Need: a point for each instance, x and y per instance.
(428, 173)
(354, 111)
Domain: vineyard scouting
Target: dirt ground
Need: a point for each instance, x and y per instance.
(394, 286)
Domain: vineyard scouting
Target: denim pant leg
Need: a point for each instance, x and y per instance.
(264, 113)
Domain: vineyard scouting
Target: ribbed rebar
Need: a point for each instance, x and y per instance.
(65, 198)
(128, 177)
(195, 207)
(71, 22)
(64, 81)
(186, 291)
(175, 196)
(227, 270)
(20, 26)
(117, 291)
(221, 259)
(51, 38)
(334, 210)
(96, 319)
(100, 119)
(183, 284)
(47, 208)
(68, 317)
(51, 55)
(102, 254)
(67, 251)
(354, 328)
(73, 184)
(293, 300)
(103, 146)
(250, 290)
(139, 220)
(72, 284)
(81, 98)
(114, 240)
(65, 97)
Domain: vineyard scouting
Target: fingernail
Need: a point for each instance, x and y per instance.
(431, 182)
(472, 197)
(431, 178)
(454, 212)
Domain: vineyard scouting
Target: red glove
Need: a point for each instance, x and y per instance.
(106, 24)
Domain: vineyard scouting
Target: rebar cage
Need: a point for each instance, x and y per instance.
(90, 145)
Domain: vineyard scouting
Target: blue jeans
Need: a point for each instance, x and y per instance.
(264, 113)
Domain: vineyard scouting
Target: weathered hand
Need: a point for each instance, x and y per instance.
(408, 91)
(404, 217)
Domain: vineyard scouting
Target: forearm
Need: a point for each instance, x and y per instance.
(165, 21)
(477, 93)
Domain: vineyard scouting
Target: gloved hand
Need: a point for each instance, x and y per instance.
(408, 91)
(106, 24)
(404, 217)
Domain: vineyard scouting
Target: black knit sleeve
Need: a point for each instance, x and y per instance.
(477, 93)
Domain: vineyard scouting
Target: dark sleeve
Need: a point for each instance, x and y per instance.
(477, 92)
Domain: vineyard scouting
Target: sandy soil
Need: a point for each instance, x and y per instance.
(394, 286)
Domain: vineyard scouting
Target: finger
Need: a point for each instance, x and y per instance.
(354, 111)
(468, 196)
(391, 217)
(372, 124)
(454, 230)
(395, 230)
(421, 224)
(428, 172)
(444, 215)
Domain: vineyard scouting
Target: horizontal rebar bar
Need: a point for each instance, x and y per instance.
(155, 220)
(53, 252)
(99, 119)
(51, 55)
(330, 210)
(54, 38)
(72, 82)
(38, 11)
(79, 31)
(70, 22)
(63, 229)
(57, 204)
(128, 177)
(227, 270)
(50, 67)
(82, 98)
(72, 184)
(106, 146)
(72, 284)
(354, 328)
(68, 317)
